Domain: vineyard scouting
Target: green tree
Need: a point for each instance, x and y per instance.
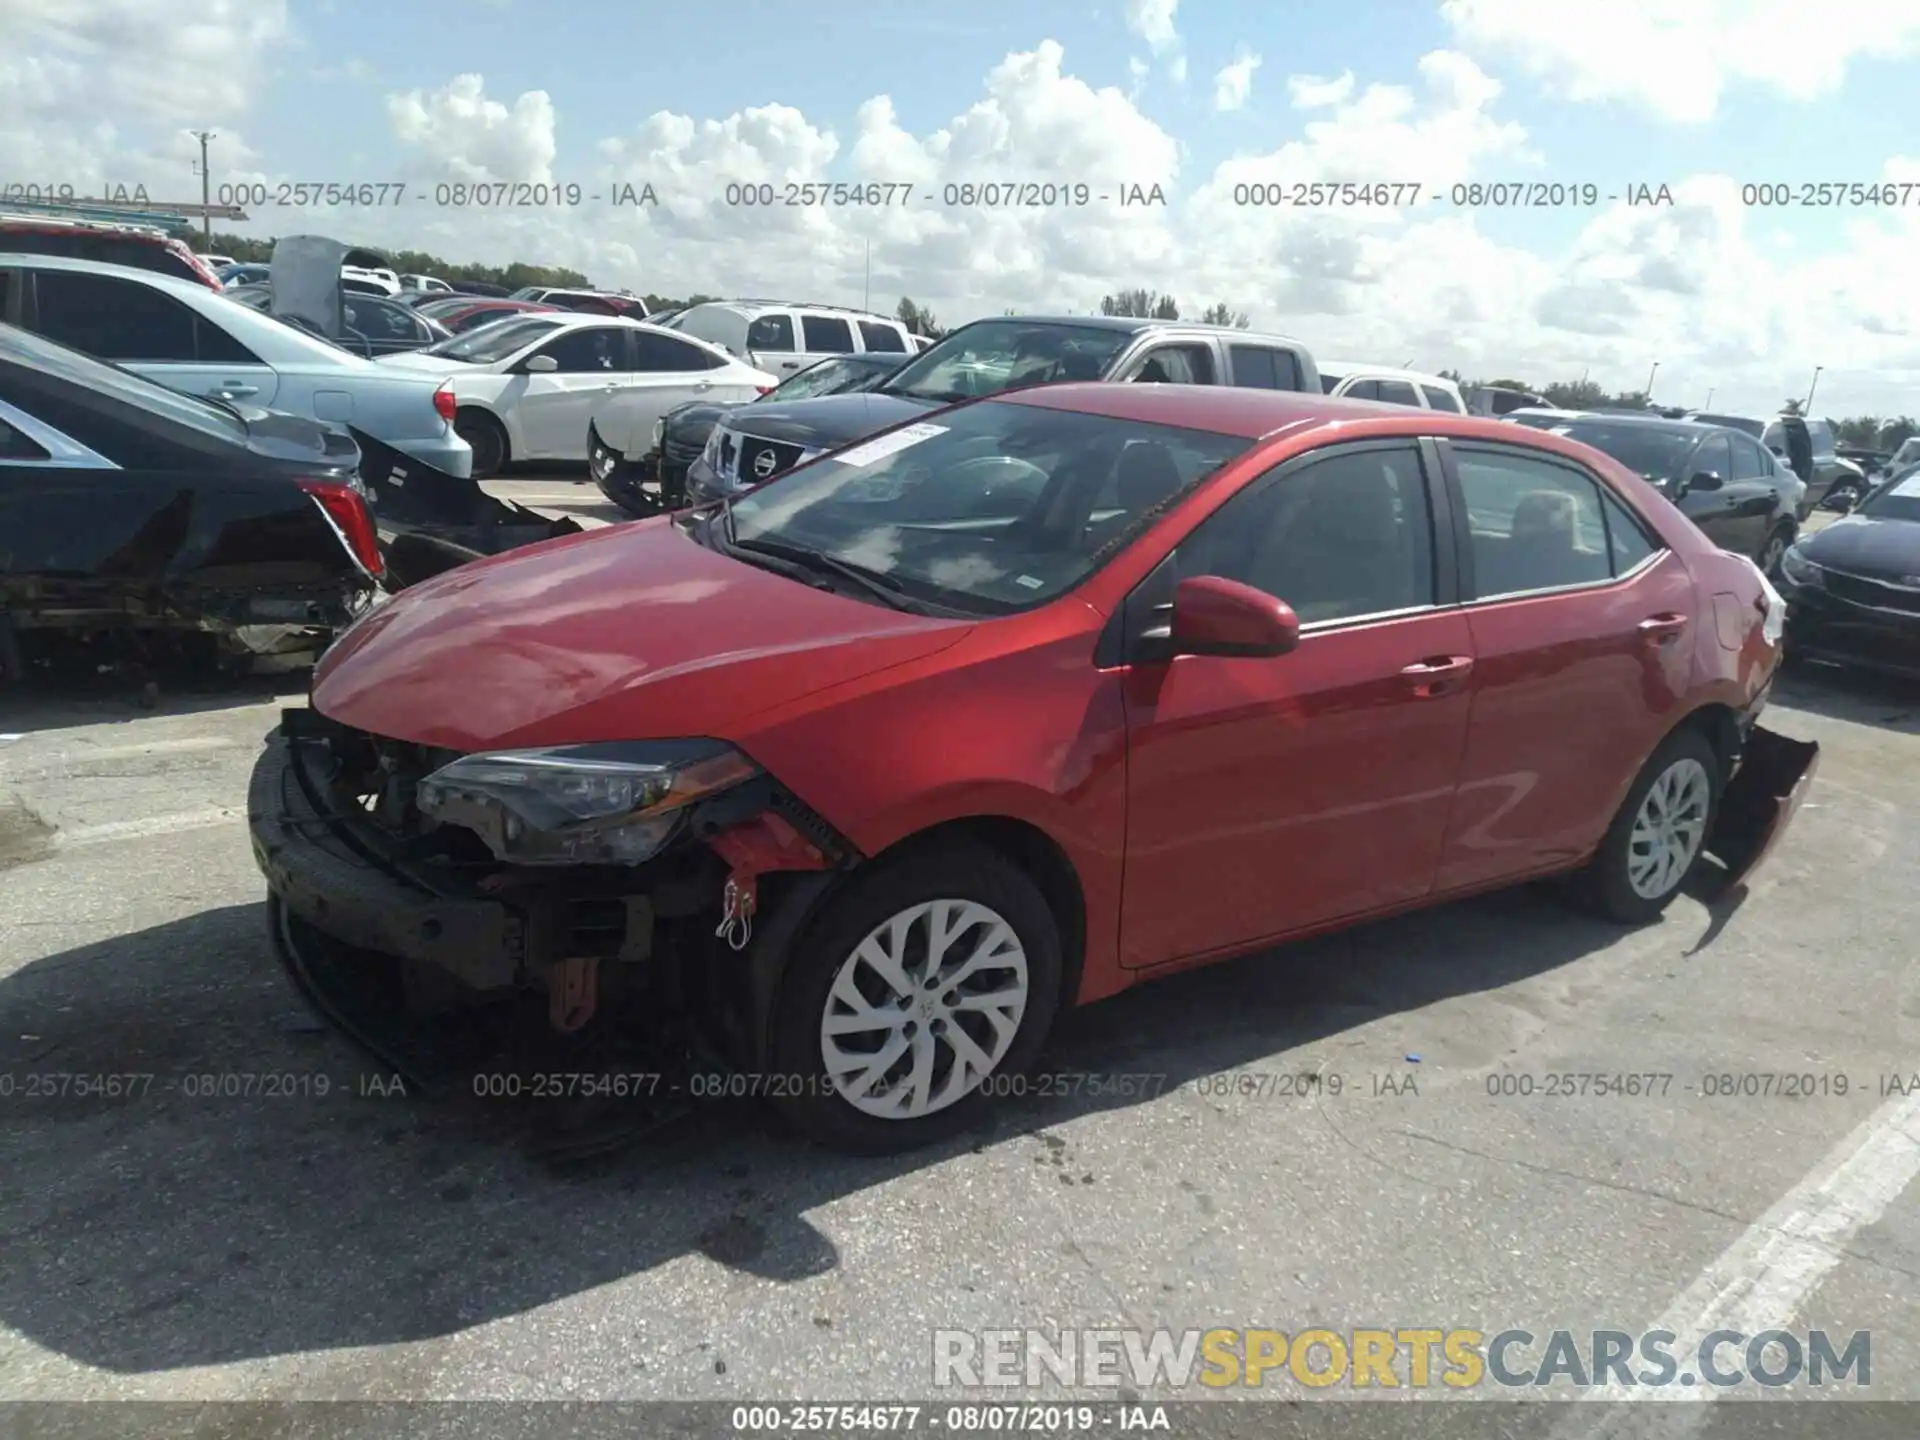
(1142, 304)
(918, 319)
(1221, 313)
(1573, 395)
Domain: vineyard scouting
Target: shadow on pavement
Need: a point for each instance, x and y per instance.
(1846, 693)
(160, 1227)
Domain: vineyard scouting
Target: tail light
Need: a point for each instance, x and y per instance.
(443, 401)
(346, 507)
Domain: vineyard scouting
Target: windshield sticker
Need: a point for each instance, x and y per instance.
(890, 444)
(1029, 581)
(1909, 487)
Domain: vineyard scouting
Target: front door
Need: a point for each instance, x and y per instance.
(1581, 623)
(553, 407)
(1267, 796)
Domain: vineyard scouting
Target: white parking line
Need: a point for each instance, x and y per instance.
(1765, 1276)
(101, 754)
(153, 825)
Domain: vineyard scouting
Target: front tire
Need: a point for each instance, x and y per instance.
(1658, 834)
(923, 986)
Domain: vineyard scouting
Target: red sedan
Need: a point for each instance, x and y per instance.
(1009, 708)
(471, 315)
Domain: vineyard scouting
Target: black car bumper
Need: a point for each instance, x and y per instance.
(643, 485)
(1825, 626)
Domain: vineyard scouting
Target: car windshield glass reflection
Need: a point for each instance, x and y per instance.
(1644, 449)
(832, 377)
(994, 355)
(1899, 499)
(991, 509)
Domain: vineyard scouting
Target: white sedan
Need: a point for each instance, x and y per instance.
(526, 387)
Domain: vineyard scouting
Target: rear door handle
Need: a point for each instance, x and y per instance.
(1437, 675)
(1662, 629)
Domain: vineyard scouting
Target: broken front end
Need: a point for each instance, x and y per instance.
(432, 904)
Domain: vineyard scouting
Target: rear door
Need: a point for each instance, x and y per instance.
(883, 337)
(1753, 497)
(1399, 392)
(1264, 367)
(1581, 624)
(148, 331)
(667, 372)
(824, 335)
(551, 410)
(1267, 796)
(773, 343)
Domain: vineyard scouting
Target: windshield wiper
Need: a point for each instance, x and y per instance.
(882, 587)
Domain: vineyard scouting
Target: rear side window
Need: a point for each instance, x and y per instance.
(1821, 434)
(663, 353)
(881, 339)
(1439, 399)
(1362, 390)
(1535, 525)
(771, 332)
(1750, 462)
(1262, 368)
(826, 335)
(1627, 540)
(113, 319)
(1399, 392)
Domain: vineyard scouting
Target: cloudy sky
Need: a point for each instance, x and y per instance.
(1194, 96)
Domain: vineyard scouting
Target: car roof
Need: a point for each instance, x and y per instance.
(170, 283)
(755, 306)
(1648, 422)
(1253, 414)
(1346, 369)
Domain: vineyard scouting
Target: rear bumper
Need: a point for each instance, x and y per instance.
(452, 454)
(1760, 801)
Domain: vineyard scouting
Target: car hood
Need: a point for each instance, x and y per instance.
(827, 421)
(628, 632)
(1867, 545)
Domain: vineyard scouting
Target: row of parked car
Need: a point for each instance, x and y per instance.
(699, 404)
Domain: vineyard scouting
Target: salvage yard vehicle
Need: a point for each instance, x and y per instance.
(656, 477)
(1355, 380)
(528, 387)
(1743, 497)
(985, 358)
(197, 340)
(873, 770)
(141, 247)
(1853, 589)
(127, 508)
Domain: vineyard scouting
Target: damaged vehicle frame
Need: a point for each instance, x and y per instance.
(862, 777)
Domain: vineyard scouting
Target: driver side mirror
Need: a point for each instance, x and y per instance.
(1705, 480)
(540, 365)
(1216, 616)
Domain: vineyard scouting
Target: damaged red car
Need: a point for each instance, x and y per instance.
(873, 770)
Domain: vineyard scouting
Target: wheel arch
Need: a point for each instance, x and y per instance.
(1717, 721)
(493, 417)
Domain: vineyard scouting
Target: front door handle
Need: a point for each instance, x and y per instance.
(234, 390)
(1658, 630)
(1437, 675)
(703, 386)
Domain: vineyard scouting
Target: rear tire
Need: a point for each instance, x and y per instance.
(955, 1036)
(489, 441)
(1658, 834)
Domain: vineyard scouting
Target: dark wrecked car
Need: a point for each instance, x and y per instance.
(870, 772)
(131, 509)
(1853, 589)
(127, 507)
(656, 479)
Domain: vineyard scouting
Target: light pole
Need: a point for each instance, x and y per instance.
(1808, 407)
(1647, 394)
(206, 189)
(1709, 404)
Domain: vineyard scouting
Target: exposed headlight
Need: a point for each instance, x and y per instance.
(581, 804)
(1800, 570)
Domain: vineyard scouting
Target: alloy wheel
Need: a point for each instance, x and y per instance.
(924, 1009)
(1669, 828)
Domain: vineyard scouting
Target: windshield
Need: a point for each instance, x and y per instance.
(994, 355)
(494, 341)
(838, 376)
(123, 385)
(1644, 449)
(992, 509)
(1896, 500)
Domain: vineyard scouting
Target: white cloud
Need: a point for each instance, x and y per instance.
(1234, 82)
(1677, 58)
(1177, 69)
(1152, 21)
(1704, 286)
(457, 133)
(1314, 92)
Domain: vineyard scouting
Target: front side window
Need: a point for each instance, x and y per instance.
(994, 355)
(1362, 390)
(581, 352)
(990, 509)
(1750, 462)
(1345, 536)
(1714, 457)
(1177, 365)
(1535, 525)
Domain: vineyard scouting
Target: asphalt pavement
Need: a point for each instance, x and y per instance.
(261, 1220)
